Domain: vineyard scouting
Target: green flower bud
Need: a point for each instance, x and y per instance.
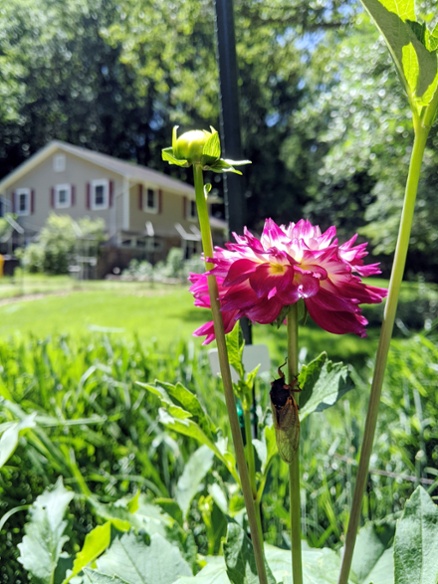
(189, 145)
(199, 147)
(196, 146)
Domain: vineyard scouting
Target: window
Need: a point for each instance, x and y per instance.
(59, 163)
(63, 196)
(150, 201)
(99, 194)
(191, 210)
(22, 202)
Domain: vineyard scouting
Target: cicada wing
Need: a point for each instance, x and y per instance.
(287, 429)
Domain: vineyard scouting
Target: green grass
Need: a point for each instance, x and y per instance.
(164, 313)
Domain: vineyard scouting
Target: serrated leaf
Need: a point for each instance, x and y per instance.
(42, 545)
(173, 396)
(323, 383)
(194, 473)
(134, 561)
(416, 541)
(96, 542)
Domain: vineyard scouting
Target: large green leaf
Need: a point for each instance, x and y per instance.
(136, 561)
(416, 541)
(323, 383)
(416, 65)
(372, 561)
(239, 558)
(194, 472)
(41, 547)
(320, 566)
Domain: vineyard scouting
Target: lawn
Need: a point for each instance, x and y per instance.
(47, 306)
(164, 312)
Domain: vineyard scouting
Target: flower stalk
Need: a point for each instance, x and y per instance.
(406, 220)
(294, 466)
(249, 497)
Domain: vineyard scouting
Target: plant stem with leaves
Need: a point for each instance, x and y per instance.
(247, 490)
(294, 466)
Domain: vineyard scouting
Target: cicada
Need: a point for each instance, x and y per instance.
(285, 414)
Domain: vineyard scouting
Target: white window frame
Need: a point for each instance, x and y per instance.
(59, 163)
(191, 209)
(101, 182)
(58, 203)
(18, 194)
(151, 208)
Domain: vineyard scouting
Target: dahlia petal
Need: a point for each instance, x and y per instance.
(336, 321)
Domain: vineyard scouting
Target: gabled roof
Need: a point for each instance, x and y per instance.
(127, 170)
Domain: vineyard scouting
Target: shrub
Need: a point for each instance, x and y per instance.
(58, 243)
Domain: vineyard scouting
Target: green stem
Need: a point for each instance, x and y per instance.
(294, 467)
(207, 244)
(395, 281)
(249, 449)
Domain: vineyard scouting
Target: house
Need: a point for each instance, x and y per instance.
(145, 212)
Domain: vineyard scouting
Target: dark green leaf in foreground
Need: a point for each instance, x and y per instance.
(132, 560)
(239, 558)
(416, 541)
(323, 383)
(42, 545)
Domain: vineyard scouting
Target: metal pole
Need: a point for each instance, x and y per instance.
(235, 203)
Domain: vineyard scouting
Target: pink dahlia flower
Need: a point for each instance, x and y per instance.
(258, 278)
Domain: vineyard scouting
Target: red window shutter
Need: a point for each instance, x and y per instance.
(13, 202)
(73, 195)
(111, 192)
(88, 196)
(32, 201)
(52, 197)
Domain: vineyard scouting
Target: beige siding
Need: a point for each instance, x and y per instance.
(171, 210)
(42, 179)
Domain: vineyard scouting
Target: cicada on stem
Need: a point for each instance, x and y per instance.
(285, 414)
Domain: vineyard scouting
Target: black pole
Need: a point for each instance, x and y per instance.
(235, 202)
